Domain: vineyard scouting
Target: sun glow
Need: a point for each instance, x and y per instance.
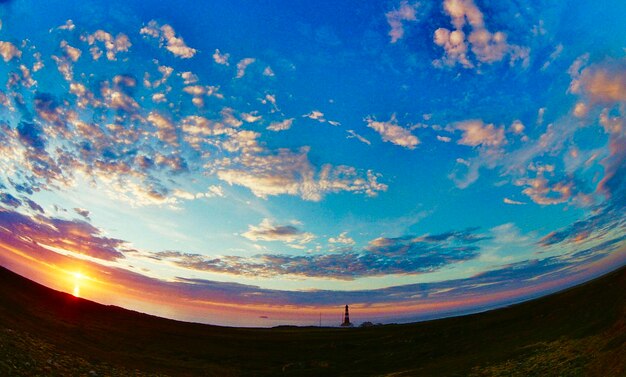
(77, 279)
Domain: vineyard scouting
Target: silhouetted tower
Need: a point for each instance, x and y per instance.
(346, 319)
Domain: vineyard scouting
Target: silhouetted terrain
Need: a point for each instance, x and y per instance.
(579, 332)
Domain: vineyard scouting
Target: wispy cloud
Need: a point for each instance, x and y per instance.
(382, 256)
(512, 202)
(354, 135)
(268, 231)
(391, 132)
(398, 17)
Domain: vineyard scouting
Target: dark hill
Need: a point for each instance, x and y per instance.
(578, 332)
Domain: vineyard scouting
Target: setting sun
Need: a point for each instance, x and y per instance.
(77, 279)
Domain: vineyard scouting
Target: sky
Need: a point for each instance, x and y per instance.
(266, 163)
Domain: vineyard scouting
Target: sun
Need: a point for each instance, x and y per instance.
(77, 280)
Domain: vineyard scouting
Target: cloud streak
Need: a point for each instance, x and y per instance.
(391, 132)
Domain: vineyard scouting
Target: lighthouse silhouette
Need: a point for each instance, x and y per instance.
(346, 319)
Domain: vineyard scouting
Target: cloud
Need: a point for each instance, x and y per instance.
(476, 133)
(112, 45)
(71, 52)
(167, 37)
(75, 236)
(242, 66)
(512, 202)
(33, 205)
(288, 172)
(166, 131)
(68, 25)
(486, 47)
(553, 56)
(199, 91)
(9, 200)
(315, 115)
(517, 127)
(280, 126)
(220, 58)
(383, 256)
(8, 51)
(128, 131)
(391, 132)
(544, 192)
(343, 239)
(354, 135)
(268, 231)
(214, 191)
(83, 212)
(31, 135)
(602, 83)
(268, 72)
(397, 17)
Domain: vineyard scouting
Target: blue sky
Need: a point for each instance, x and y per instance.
(298, 148)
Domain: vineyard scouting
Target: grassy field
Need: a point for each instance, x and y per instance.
(579, 332)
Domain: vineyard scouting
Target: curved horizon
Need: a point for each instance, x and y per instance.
(266, 164)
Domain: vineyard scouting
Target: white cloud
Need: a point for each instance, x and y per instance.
(8, 51)
(167, 36)
(354, 135)
(391, 132)
(182, 194)
(166, 131)
(220, 58)
(112, 45)
(486, 47)
(602, 83)
(476, 132)
(543, 192)
(68, 25)
(214, 191)
(268, 231)
(268, 72)
(513, 202)
(517, 127)
(397, 17)
(553, 56)
(281, 126)
(188, 78)
(285, 172)
(250, 117)
(315, 115)
(243, 65)
(71, 52)
(342, 238)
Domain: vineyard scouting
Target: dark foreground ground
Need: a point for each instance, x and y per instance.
(579, 332)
